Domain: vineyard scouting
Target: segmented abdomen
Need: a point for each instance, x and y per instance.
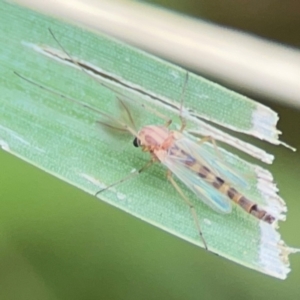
(225, 188)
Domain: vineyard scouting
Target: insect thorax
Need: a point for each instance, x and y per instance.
(153, 137)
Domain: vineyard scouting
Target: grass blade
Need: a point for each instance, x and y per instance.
(60, 136)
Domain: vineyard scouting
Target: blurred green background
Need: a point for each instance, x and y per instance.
(59, 243)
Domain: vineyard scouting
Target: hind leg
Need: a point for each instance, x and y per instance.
(190, 205)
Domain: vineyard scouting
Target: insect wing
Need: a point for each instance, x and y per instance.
(213, 162)
(204, 190)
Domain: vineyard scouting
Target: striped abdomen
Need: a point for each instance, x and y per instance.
(223, 187)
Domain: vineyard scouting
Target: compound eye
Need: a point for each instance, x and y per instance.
(136, 142)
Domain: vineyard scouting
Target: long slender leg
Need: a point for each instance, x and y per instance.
(167, 120)
(213, 141)
(74, 61)
(190, 205)
(183, 123)
(131, 175)
(182, 119)
(128, 113)
(81, 67)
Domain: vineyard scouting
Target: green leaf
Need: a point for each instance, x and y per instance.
(51, 123)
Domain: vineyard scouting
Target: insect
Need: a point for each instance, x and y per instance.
(201, 171)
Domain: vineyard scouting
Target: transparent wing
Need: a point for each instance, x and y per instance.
(212, 161)
(204, 190)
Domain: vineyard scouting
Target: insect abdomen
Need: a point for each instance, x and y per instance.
(234, 195)
(249, 206)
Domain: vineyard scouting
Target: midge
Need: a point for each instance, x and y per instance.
(202, 172)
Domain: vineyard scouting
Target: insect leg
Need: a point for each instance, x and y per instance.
(182, 119)
(214, 143)
(74, 61)
(80, 65)
(131, 175)
(191, 206)
(167, 120)
(57, 93)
